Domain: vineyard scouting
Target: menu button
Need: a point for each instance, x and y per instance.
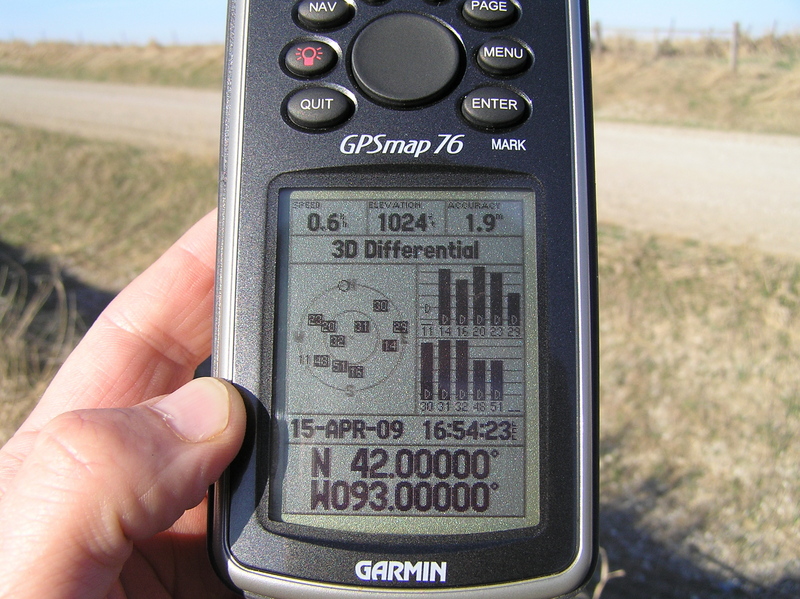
(500, 56)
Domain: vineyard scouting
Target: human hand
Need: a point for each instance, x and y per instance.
(102, 489)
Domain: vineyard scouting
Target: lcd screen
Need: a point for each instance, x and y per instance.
(406, 384)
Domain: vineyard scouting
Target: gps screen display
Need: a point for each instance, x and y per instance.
(406, 386)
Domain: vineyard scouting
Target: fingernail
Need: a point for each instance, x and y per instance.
(197, 411)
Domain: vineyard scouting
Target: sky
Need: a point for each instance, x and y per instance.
(756, 17)
(203, 21)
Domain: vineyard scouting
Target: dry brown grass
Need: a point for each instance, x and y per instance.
(690, 83)
(153, 64)
(38, 328)
(701, 398)
(103, 210)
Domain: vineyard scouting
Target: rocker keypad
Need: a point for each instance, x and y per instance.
(390, 61)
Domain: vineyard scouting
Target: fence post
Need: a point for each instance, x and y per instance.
(735, 47)
(598, 37)
(656, 43)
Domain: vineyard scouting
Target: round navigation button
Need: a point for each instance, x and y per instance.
(406, 59)
(502, 56)
(324, 14)
(309, 59)
(318, 108)
(490, 13)
(494, 108)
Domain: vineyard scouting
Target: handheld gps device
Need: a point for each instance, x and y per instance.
(406, 297)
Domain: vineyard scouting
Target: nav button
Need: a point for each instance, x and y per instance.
(318, 108)
(326, 14)
(494, 108)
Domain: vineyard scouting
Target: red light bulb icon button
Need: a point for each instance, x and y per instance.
(309, 58)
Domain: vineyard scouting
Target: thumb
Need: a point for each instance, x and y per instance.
(98, 480)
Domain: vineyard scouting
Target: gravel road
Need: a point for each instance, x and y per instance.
(720, 187)
(184, 119)
(729, 188)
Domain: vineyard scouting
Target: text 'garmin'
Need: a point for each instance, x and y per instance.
(388, 571)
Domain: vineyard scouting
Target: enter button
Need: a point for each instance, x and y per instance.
(494, 108)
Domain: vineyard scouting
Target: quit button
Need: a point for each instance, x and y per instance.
(318, 108)
(494, 108)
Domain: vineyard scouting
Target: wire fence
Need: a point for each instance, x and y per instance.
(663, 38)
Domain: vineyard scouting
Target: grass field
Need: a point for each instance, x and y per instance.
(191, 66)
(700, 389)
(78, 220)
(700, 398)
(690, 84)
